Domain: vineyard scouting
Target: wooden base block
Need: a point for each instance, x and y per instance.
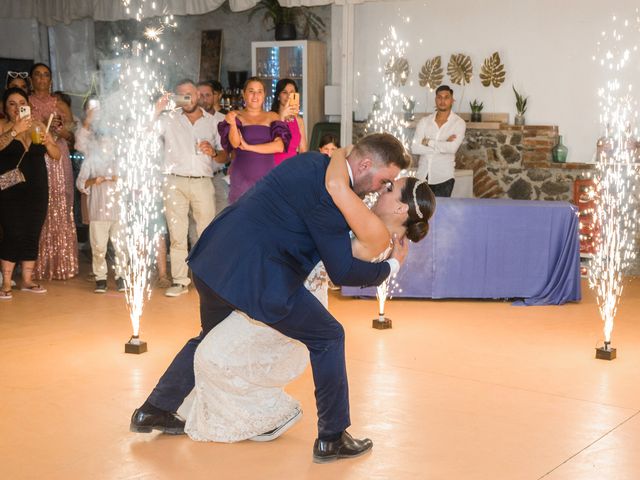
(382, 325)
(135, 345)
(605, 354)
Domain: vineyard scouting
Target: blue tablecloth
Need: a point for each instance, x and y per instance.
(494, 248)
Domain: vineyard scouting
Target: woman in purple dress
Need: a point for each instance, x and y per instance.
(254, 135)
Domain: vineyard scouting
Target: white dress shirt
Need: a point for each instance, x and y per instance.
(99, 161)
(437, 158)
(180, 135)
(217, 118)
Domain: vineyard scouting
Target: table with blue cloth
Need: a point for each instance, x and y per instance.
(494, 248)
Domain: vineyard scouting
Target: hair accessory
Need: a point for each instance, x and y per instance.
(415, 199)
(13, 74)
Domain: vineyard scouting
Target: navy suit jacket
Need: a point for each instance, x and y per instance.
(257, 254)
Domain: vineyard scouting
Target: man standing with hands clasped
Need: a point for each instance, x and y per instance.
(437, 139)
(191, 151)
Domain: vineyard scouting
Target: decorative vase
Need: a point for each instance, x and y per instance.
(476, 117)
(559, 152)
(518, 120)
(286, 31)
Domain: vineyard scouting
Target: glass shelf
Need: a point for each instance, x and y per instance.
(276, 62)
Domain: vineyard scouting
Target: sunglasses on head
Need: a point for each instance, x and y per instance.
(17, 74)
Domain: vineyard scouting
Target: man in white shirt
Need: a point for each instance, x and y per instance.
(437, 139)
(192, 153)
(210, 95)
(97, 179)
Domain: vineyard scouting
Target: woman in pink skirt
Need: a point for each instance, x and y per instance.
(288, 108)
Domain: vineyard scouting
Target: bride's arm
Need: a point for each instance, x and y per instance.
(369, 230)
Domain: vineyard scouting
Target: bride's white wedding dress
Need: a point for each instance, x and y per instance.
(240, 368)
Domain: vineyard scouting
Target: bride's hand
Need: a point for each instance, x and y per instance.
(400, 248)
(342, 153)
(348, 149)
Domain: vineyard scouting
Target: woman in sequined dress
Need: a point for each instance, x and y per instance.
(58, 253)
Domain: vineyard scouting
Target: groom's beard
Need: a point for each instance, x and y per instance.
(363, 185)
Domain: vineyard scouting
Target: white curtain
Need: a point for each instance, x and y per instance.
(315, 3)
(50, 12)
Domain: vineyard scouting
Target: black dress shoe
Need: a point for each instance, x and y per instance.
(166, 422)
(345, 447)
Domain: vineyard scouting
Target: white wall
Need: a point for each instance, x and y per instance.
(545, 45)
(73, 58)
(23, 39)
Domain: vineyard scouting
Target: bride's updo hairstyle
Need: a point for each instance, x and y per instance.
(422, 204)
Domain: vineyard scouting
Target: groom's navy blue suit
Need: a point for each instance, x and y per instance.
(256, 256)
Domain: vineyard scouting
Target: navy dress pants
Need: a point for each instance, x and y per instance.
(178, 381)
(311, 323)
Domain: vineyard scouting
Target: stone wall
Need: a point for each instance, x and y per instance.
(516, 162)
(513, 162)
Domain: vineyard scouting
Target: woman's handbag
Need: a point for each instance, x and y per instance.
(12, 177)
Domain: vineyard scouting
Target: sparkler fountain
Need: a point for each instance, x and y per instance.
(137, 148)
(616, 175)
(385, 117)
(139, 191)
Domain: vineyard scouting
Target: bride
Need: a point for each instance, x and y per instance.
(242, 365)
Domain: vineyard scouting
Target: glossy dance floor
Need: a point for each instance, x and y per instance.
(458, 390)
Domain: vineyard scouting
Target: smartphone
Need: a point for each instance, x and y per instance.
(93, 103)
(25, 111)
(294, 98)
(181, 100)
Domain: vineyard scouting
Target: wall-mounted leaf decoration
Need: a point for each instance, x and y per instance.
(431, 73)
(492, 71)
(460, 69)
(398, 70)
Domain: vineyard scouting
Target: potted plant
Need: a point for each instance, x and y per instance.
(521, 107)
(476, 108)
(287, 21)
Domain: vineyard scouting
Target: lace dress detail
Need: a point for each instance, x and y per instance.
(240, 369)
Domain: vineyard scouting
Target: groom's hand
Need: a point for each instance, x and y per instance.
(400, 248)
(398, 254)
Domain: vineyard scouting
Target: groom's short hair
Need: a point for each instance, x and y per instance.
(383, 148)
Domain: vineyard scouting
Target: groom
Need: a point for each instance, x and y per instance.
(255, 257)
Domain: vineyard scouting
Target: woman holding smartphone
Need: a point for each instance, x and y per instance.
(23, 206)
(58, 257)
(286, 103)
